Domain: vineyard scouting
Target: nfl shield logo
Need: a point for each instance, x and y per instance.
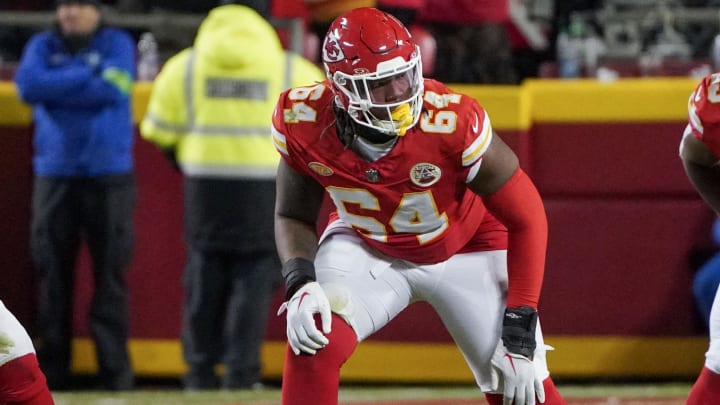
(372, 175)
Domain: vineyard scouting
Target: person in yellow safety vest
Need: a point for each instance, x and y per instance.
(210, 112)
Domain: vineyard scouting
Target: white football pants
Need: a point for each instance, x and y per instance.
(368, 289)
(14, 340)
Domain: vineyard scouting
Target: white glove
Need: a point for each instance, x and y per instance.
(302, 334)
(518, 375)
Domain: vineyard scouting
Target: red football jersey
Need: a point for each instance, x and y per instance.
(704, 112)
(412, 203)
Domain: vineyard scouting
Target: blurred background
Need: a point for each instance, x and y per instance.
(592, 98)
(586, 38)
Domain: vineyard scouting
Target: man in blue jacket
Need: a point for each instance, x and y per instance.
(78, 77)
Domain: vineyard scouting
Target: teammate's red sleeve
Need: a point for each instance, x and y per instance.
(517, 204)
(704, 112)
(703, 103)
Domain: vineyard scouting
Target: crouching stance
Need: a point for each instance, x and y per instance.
(429, 205)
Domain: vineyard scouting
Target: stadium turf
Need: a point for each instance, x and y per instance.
(585, 394)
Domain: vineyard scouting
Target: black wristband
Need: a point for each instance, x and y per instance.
(296, 272)
(518, 330)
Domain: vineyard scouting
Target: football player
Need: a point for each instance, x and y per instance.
(412, 169)
(21, 380)
(700, 154)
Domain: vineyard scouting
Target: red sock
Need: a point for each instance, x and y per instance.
(552, 396)
(23, 383)
(706, 390)
(315, 380)
(494, 399)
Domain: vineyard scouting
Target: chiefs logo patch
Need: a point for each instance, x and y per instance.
(320, 169)
(424, 174)
(331, 49)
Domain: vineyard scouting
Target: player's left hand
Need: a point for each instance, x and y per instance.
(518, 376)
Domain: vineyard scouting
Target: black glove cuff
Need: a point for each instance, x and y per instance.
(296, 272)
(518, 330)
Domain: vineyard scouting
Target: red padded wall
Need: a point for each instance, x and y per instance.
(628, 159)
(620, 266)
(17, 284)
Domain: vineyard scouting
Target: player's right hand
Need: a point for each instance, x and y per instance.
(302, 333)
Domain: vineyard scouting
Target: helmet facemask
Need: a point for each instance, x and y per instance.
(388, 100)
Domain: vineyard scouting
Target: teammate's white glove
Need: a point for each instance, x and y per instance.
(517, 374)
(302, 334)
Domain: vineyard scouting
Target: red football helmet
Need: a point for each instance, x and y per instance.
(374, 67)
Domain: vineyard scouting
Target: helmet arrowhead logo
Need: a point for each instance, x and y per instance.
(331, 50)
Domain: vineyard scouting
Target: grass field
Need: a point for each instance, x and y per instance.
(610, 394)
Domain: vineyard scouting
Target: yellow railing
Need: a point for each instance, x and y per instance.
(510, 107)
